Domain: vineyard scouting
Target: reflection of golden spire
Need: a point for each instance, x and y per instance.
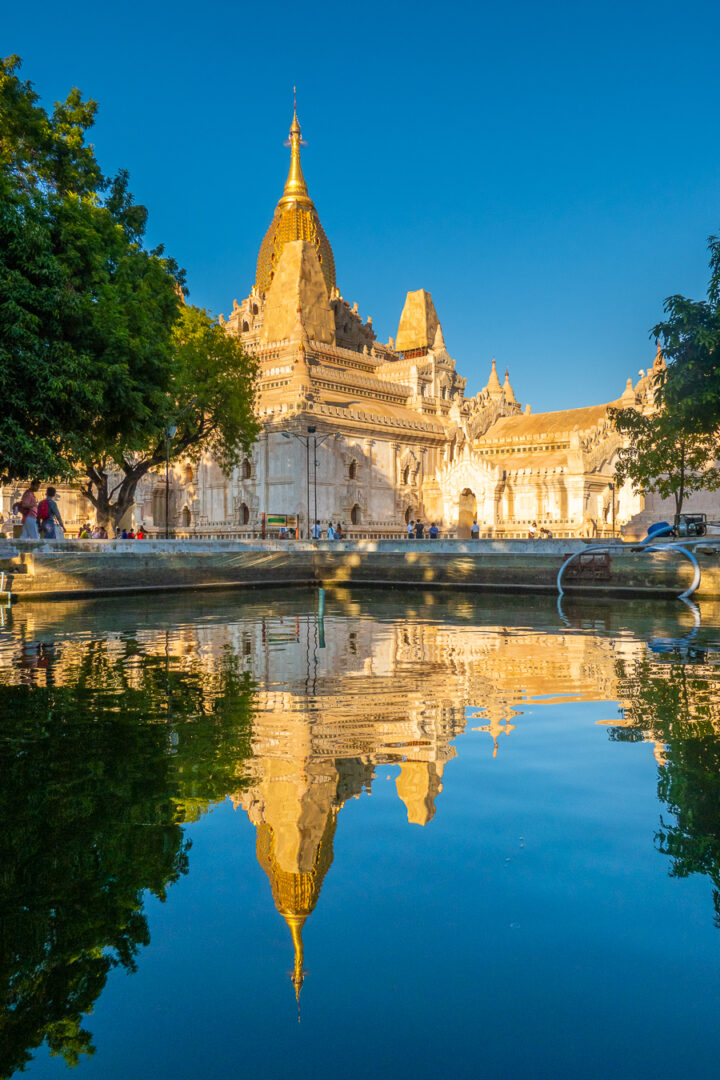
(296, 923)
(296, 892)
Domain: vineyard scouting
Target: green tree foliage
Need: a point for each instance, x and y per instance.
(691, 343)
(660, 454)
(209, 403)
(98, 353)
(676, 704)
(674, 450)
(92, 805)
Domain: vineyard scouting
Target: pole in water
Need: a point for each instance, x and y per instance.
(321, 618)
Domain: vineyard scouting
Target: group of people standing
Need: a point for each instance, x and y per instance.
(416, 530)
(333, 532)
(39, 519)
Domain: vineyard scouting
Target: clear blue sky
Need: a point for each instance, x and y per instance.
(548, 171)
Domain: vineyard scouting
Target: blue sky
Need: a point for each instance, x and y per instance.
(549, 172)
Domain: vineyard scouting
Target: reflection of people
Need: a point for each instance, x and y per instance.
(28, 511)
(475, 530)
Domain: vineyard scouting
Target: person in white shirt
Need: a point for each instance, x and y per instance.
(474, 531)
(411, 530)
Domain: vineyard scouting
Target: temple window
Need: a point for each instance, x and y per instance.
(244, 514)
(355, 515)
(352, 470)
(245, 470)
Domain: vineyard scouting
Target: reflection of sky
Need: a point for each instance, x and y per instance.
(518, 933)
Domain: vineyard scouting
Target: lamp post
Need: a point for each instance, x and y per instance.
(311, 434)
(170, 433)
(612, 495)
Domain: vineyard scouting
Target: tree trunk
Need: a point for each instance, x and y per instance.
(112, 506)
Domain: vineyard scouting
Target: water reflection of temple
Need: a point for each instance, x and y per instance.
(337, 698)
(378, 694)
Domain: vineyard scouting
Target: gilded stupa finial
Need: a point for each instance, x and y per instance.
(295, 187)
(295, 218)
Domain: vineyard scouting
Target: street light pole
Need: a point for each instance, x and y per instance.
(170, 433)
(316, 442)
(308, 530)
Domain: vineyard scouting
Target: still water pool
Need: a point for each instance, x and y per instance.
(412, 837)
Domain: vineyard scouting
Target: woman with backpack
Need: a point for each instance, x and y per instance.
(28, 509)
(49, 517)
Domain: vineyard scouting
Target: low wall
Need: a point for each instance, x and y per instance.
(46, 569)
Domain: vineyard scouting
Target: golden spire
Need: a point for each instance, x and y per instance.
(295, 190)
(295, 219)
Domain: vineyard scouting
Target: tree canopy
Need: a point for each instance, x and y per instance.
(673, 448)
(690, 338)
(99, 354)
(660, 454)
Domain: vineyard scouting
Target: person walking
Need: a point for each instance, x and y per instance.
(49, 517)
(475, 530)
(331, 534)
(316, 531)
(27, 507)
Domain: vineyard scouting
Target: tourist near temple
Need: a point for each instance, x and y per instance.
(374, 435)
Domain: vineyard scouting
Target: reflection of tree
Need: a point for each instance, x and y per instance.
(678, 706)
(98, 776)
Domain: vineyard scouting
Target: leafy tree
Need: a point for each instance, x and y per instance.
(691, 343)
(46, 385)
(209, 403)
(662, 455)
(92, 806)
(98, 353)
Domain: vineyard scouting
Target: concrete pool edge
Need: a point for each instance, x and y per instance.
(39, 570)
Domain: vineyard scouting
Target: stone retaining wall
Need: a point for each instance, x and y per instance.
(38, 569)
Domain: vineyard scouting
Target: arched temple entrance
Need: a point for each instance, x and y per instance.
(467, 512)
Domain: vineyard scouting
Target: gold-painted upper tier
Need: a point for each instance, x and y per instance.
(295, 219)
